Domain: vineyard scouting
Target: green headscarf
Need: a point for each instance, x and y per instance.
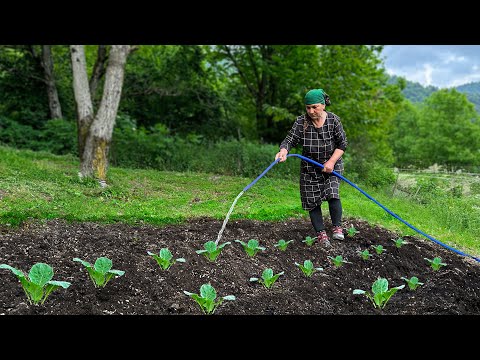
(315, 96)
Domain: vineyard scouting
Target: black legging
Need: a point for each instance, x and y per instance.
(335, 209)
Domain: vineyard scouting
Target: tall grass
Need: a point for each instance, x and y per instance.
(39, 185)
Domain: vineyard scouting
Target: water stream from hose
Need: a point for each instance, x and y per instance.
(227, 217)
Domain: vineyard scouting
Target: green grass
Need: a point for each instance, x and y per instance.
(35, 185)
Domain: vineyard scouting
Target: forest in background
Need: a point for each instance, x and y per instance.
(184, 107)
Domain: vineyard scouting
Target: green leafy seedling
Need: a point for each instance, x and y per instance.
(436, 263)
(39, 284)
(309, 240)
(380, 293)
(365, 254)
(338, 260)
(379, 249)
(165, 258)
(308, 268)
(101, 272)
(252, 247)
(282, 244)
(400, 242)
(268, 278)
(351, 231)
(211, 250)
(413, 282)
(206, 299)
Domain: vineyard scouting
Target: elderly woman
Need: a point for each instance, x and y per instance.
(321, 134)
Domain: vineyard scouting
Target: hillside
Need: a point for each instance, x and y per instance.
(416, 92)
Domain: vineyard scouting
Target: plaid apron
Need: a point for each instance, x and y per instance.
(318, 145)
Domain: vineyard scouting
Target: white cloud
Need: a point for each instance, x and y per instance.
(437, 65)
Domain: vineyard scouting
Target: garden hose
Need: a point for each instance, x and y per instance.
(368, 196)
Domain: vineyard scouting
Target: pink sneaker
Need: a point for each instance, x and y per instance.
(338, 233)
(323, 238)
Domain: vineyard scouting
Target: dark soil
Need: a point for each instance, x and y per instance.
(146, 289)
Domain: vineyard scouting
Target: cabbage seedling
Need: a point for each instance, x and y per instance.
(436, 263)
(268, 279)
(252, 247)
(164, 258)
(39, 284)
(399, 242)
(211, 250)
(207, 297)
(413, 282)
(379, 249)
(338, 260)
(380, 292)
(351, 231)
(308, 268)
(101, 272)
(365, 254)
(309, 240)
(282, 244)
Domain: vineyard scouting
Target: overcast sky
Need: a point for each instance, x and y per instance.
(442, 66)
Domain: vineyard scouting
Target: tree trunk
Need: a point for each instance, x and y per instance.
(83, 98)
(47, 65)
(97, 145)
(98, 69)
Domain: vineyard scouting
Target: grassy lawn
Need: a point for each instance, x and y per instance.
(44, 186)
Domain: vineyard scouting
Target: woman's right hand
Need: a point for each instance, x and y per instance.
(282, 155)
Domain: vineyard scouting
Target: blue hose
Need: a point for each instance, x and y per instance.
(368, 196)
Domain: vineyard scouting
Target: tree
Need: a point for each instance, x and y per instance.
(358, 86)
(449, 130)
(275, 78)
(95, 130)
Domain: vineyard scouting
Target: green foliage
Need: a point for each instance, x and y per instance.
(400, 242)
(436, 263)
(365, 254)
(309, 240)
(56, 136)
(211, 250)
(380, 292)
(252, 247)
(282, 244)
(271, 80)
(338, 260)
(23, 97)
(268, 278)
(447, 132)
(165, 258)
(206, 299)
(379, 249)
(101, 272)
(351, 231)
(414, 91)
(157, 148)
(59, 136)
(39, 284)
(365, 102)
(413, 282)
(307, 268)
(176, 86)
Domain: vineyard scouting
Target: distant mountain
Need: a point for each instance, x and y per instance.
(416, 92)
(472, 90)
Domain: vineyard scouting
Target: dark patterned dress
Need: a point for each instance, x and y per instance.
(318, 144)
